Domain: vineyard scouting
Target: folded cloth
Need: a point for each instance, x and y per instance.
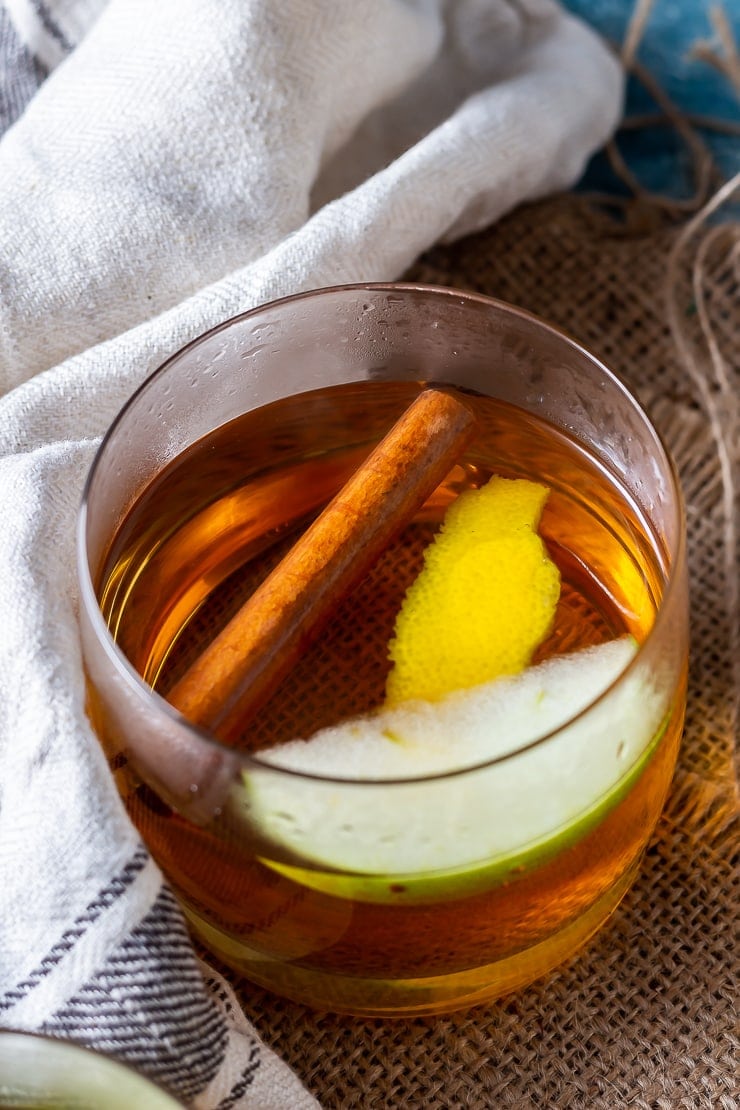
(181, 162)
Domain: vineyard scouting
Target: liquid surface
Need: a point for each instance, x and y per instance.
(220, 517)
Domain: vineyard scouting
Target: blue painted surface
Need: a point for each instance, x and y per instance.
(674, 26)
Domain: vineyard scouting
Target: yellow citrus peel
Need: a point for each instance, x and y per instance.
(484, 599)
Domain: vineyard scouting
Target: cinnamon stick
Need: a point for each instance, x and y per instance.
(244, 664)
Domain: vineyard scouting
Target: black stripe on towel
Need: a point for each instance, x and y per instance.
(245, 1080)
(150, 1007)
(51, 26)
(69, 938)
(20, 73)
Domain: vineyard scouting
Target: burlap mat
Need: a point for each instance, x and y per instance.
(645, 1016)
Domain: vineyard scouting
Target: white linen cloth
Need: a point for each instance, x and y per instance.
(182, 161)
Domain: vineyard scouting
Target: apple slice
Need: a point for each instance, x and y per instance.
(415, 790)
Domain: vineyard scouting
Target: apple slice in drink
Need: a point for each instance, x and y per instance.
(475, 790)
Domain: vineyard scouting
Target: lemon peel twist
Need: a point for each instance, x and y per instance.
(484, 599)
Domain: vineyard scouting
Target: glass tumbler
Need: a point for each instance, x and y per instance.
(382, 887)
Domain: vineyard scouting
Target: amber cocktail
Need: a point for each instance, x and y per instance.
(410, 856)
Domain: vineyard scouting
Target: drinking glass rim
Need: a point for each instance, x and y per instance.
(88, 1052)
(251, 761)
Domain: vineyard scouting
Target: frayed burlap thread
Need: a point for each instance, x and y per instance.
(645, 1016)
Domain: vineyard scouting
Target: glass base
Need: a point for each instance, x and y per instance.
(438, 994)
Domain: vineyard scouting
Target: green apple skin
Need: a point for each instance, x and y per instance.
(431, 887)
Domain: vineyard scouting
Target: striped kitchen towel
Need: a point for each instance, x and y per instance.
(164, 165)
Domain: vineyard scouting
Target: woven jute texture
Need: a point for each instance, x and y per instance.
(645, 1016)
